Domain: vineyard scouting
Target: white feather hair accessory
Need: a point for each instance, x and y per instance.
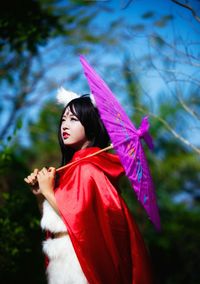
(64, 97)
(93, 100)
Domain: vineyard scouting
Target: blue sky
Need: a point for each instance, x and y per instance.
(137, 46)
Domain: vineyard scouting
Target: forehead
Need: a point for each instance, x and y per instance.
(68, 112)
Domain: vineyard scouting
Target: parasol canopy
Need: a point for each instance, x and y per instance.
(126, 141)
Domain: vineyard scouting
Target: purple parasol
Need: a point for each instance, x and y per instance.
(126, 141)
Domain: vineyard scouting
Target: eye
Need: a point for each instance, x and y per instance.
(74, 118)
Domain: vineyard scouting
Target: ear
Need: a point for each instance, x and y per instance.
(93, 99)
(64, 97)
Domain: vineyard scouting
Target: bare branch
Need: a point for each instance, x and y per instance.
(187, 109)
(173, 47)
(11, 118)
(189, 8)
(125, 5)
(172, 131)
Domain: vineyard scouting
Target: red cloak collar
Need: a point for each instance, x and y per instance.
(106, 162)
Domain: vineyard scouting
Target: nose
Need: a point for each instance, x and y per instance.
(65, 125)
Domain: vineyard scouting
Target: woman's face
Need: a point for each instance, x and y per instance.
(72, 131)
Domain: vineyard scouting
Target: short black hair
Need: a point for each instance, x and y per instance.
(89, 117)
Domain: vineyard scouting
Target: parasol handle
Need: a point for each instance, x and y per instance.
(91, 155)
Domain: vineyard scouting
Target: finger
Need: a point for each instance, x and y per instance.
(52, 170)
(26, 180)
(44, 170)
(36, 192)
(29, 180)
(35, 171)
(33, 176)
(40, 173)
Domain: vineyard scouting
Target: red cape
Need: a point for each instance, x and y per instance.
(105, 237)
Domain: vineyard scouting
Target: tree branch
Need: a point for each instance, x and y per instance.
(125, 5)
(186, 6)
(172, 131)
(188, 109)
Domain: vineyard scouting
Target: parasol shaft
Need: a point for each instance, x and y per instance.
(91, 155)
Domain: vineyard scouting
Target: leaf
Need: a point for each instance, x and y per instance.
(168, 17)
(156, 39)
(163, 21)
(19, 123)
(148, 15)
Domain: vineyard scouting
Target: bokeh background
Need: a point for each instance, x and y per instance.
(148, 52)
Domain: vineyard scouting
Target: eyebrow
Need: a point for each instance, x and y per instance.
(68, 114)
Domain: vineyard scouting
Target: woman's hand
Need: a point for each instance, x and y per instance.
(42, 183)
(46, 180)
(33, 182)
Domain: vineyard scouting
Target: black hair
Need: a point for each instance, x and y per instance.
(89, 117)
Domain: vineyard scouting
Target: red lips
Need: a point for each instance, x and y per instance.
(65, 135)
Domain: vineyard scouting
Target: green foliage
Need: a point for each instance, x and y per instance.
(20, 249)
(25, 24)
(175, 250)
(44, 138)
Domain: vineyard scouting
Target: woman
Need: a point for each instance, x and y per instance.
(92, 235)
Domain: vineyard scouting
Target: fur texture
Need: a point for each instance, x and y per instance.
(63, 267)
(51, 220)
(64, 97)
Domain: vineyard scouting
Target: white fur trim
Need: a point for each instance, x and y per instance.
(64, 97)
(93, 99)
(56, 248)
(51, 220)
(63, 267)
